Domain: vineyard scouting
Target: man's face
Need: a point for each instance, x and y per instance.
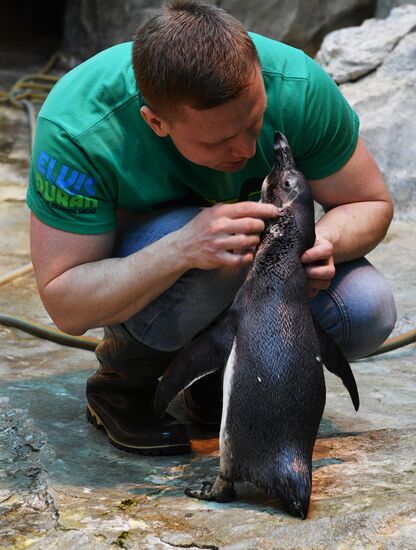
(222, 138)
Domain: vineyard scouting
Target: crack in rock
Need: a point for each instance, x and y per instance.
(26, 505)
(192, 545)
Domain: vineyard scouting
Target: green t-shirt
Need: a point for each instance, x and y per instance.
(93, 151)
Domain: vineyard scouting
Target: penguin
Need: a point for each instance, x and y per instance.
(273, 352)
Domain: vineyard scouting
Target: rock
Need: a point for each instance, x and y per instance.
(377, 64)
(384, 7)
(349, 54)
(92, 25)
(24, 497)
(386, 104)
(303, 23)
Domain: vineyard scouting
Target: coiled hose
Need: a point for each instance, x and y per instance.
(36, 329)
(30, 91)
(87, 343)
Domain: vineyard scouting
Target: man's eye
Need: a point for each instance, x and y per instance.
(219, 144)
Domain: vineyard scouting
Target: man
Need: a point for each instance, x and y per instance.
(132, 144)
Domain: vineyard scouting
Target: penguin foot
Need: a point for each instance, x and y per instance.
(220, 491)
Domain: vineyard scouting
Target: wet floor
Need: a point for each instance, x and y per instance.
(63, 486)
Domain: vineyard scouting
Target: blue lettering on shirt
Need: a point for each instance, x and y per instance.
(49, 173)
(79, 183)
(43, 158)
(90, 187)
(68, 179)
(62, 182)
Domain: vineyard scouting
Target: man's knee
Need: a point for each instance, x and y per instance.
(358, 311)
(374, 315)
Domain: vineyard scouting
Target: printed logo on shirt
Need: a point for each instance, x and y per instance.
(65, 188)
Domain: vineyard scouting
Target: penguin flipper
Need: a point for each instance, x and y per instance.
(335, 362)
(207, 353)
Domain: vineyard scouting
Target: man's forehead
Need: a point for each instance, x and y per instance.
(227, 119)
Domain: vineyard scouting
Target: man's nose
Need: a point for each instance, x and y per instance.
(244, 146)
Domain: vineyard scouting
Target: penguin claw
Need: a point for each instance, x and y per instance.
(206, 493)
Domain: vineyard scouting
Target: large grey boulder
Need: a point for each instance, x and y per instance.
(350, 53)
(384, 7)
(301, 23)
(385, 100)
(386, 103)
(92, 25)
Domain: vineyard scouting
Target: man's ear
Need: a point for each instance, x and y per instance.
(156, 123)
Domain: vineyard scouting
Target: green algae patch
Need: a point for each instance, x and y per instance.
(127, 503)
(121, 539)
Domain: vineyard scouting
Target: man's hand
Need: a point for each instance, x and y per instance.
(320, 268)
(225, 234)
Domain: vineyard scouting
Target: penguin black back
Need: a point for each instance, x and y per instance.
(274, 388)
(277, 372)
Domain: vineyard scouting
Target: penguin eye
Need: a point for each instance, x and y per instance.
(287, 184)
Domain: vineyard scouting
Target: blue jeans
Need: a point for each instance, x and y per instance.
(358, 310)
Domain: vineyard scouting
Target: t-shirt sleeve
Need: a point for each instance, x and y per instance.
(65, 189)
(331, 126)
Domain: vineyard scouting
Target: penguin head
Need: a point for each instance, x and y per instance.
(285, 184)
(287, 188)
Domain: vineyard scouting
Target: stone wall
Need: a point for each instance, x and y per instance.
(376, 67)
(92, 25)
(384, 7)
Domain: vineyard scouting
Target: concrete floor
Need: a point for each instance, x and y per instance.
(63, 486)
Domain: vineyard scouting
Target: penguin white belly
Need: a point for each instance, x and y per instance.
(227, 383)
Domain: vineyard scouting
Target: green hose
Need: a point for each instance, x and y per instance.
(52, 334)
(84, 342)
(41, 331)
(396, 342)
(15, 273)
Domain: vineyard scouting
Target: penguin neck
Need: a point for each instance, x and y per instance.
(279, 250)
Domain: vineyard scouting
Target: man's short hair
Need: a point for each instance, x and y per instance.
(192, 54)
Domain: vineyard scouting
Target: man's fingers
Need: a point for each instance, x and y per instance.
(319, 284)
(238, 242)
(319, 266)
(315, 285)
(312, 292)
(321, 250)
(240, 225)
(324, 272)
(233, 259)
(248, 209)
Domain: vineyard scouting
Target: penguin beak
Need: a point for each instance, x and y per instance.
(282, 153)
(284, 161)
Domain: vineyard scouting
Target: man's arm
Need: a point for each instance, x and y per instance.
(82, 287)
(360, 213)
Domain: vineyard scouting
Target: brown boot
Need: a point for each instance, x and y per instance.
(120, 397)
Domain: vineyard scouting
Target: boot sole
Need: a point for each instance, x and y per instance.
(94, 419)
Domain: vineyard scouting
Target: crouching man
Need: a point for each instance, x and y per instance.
(140, 158)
